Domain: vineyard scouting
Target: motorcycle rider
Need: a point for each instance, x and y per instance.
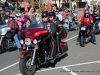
(20, 22)
(87, 19)
(71, 17)
(96, 18)
(59, 24)
(47, 24)
(6, 16)
(14, 30)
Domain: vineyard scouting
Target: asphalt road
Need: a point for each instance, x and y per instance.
(79, 61)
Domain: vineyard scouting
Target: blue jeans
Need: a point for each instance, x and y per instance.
(93, 38)
(17, 40)
(74, 25)
(19, 34)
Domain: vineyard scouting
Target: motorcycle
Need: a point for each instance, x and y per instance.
(6, 41)
(68, 23)
(84, 34)
(38, 45)
(96, 28)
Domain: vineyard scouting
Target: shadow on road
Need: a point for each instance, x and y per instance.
(57, 60)
(12, 49)
(9, 50)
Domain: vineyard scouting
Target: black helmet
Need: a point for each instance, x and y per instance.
(52, 14)
(86, 12)
(44, 14)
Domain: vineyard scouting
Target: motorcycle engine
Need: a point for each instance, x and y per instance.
(8, 35)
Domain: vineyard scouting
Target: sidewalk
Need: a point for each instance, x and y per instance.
(80, 14)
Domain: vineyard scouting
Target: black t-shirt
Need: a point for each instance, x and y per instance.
(50, 26)
(96, 17)
(6, 4)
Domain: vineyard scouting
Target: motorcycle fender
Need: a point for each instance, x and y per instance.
(23, 53)
(64, 46)
(82, 34)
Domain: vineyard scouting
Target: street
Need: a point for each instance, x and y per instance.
(77, 61)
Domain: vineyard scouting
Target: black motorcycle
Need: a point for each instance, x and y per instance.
(84, 34)
(39, 48)
(96, 28)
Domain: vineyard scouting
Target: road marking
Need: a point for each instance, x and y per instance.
(71, 38)
(67, 66)
(9, 66)
(98, 61)
(18, 62)
(69, 71)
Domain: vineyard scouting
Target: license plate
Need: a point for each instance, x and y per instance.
(83, 28)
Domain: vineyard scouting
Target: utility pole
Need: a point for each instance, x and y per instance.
(39, 4)
(70, 4)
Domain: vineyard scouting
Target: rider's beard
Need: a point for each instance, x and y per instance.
(86, 16)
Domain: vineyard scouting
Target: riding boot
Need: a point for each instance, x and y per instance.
(58, 44)
(53, 51)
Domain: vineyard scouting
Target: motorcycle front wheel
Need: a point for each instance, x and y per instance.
(3, 47)
(25, 66)
(82, 43)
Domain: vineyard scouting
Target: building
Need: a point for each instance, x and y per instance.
(91, 2)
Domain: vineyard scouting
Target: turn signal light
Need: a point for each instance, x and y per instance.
(23, 47)
(36, 47)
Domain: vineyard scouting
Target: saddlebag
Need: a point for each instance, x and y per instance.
(64, 46)
(64, 34)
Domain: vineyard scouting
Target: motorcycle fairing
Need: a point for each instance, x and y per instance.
(33, 32)
(4, 30)
(23, 53)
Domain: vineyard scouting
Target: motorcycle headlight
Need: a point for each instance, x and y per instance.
(35, 41)
(27, 41)
(21, 41)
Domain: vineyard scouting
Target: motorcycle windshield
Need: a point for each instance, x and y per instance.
(2, 23)
(35, 26)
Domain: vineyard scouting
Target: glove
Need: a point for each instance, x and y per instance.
(13, 31)
(91, 24)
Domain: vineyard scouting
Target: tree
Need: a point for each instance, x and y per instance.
(75, 0)
(13, 0)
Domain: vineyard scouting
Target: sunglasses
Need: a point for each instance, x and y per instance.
(45, 17)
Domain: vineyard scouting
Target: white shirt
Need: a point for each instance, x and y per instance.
(59, 16)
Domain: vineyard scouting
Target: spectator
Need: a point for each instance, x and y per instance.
(30, 13)
(6, 17)
(27, 19)
(38, 19)
(59, 15)
(6, 5)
